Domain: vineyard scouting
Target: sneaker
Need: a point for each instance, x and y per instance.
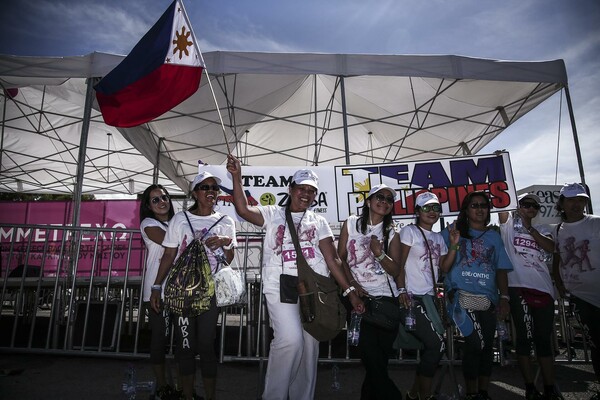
(166, 392)
(409, 397)
(552, 396)
(533, 395)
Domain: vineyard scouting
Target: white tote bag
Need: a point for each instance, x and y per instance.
(230, 285)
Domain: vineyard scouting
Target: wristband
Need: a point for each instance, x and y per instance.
(402, 290)
(505, 297)
(156, 287)
(455, 247)
(380, 257)
(347, 291)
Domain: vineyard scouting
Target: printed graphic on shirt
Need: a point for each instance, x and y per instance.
(479, 255)
(575, 255)
(361, 254)
(435, 256)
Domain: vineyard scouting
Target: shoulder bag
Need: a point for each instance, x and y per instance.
(326, 315)
(438, 296)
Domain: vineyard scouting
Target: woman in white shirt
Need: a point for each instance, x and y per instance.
(156, 210)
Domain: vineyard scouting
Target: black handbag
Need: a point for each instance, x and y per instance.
(328, 313)
(383, 312)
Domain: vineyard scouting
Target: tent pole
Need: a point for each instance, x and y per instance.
(315, 155)
(157, 164)
(345, 119)
(576, 142)
(85, 128)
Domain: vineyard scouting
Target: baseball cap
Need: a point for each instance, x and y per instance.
(531, 196)
(382, 186)
(306, 177)
(426, 198)
(202, 176)
(573, 190)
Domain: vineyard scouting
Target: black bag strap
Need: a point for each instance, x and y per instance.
(430, 259)
(208, 230)
(301, 262)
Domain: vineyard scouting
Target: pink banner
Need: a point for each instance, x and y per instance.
(43, 249)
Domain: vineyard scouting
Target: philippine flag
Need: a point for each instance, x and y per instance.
(161, 71)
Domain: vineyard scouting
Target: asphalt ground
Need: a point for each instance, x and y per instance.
(33, 376)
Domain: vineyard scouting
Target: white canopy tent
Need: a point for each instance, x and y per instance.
(278, 109)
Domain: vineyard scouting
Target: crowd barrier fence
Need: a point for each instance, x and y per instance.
(74, 290)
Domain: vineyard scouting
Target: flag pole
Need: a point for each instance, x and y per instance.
(207, 78)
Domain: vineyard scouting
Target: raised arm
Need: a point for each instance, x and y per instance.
(244, 210)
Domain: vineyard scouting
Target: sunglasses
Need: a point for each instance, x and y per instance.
(535, 206)
(479, 205)
(431, 207)
(158, 199)
(216, 188)
(387, 199)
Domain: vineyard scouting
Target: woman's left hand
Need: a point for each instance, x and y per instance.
(217, 241)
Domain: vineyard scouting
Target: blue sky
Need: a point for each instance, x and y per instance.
(508, 30)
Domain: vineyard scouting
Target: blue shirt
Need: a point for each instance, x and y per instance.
(476, 262)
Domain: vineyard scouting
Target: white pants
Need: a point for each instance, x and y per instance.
(293, 356)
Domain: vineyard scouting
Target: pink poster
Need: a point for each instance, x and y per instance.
(112, 239)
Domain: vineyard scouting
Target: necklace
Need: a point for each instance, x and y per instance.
(473, 252)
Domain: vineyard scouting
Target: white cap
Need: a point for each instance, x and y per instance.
(202, 176)
(306, 177)
(531, 196)
(573, 190)
(426, 198)
(383, 186)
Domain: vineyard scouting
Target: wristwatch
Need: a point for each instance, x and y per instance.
(347, 291)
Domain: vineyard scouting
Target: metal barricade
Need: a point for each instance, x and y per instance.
(79, 290)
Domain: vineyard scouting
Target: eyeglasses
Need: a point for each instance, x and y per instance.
(387, 199)
(536, 206)
(216, 188)
(479, 205)
(431, 207)
(158, 199)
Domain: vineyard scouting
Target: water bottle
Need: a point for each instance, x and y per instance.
(410, 323)
(220, 255)
(335, 384)
(501, 330)
(354, 329)
(129, 386)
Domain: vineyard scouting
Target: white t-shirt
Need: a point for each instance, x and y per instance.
(579, 247)
(417, 267)
(154, 253)
(367, 271)
(279, 254)
(179, 233)
(529, 268)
